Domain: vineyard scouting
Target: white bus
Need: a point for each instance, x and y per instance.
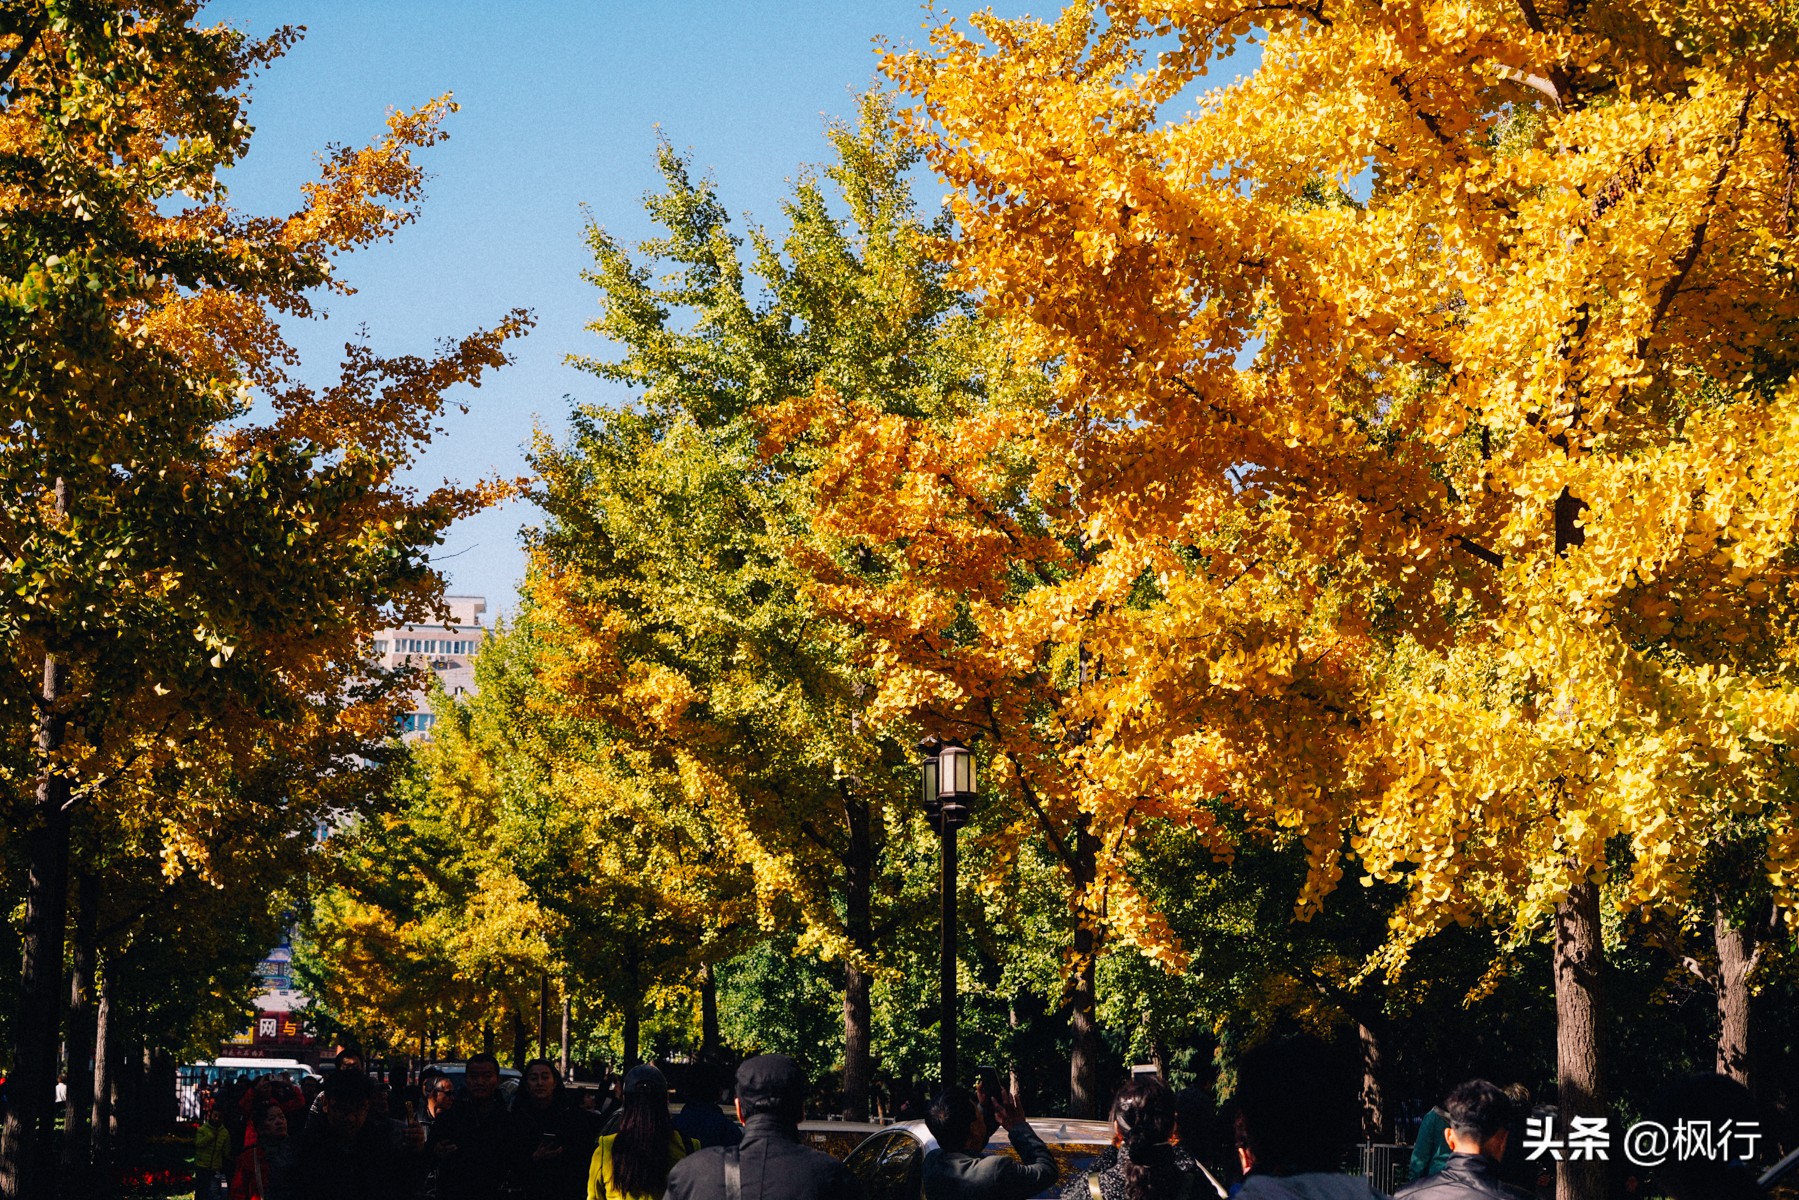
(190, 1078)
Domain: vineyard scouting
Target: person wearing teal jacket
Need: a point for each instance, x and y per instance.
(1430, 1153)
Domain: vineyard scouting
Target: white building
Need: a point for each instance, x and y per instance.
(449, 650)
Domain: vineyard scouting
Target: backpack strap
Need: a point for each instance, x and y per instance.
(733, 1174)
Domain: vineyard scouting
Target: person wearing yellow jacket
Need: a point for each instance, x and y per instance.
(212, 1152)
(633, 1163)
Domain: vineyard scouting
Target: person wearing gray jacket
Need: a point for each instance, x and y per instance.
(1296, 1125)
(770, 1163)
(958, 1170)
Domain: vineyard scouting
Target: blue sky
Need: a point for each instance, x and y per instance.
(560, 106)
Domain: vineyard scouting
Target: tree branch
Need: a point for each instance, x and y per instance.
(1690, 255)
(27, 40)
(1492, 558)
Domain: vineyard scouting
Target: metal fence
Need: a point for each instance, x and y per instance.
(1386, 1165)
(187, 1092)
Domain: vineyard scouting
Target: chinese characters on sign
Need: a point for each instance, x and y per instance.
(273, 1030)
(1646, 1143)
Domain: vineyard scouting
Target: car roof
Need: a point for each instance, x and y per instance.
(460, 1068)
(1055, 1131)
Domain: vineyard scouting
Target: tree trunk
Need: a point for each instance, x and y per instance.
(161, 1113)
(520, 1041)
(1375, 1125)
(1737, 953)
(25, 1167)
(543, 1016)
(487, 1042)
(858, 1063)
(858, 881)
(100, 1131)
(1013, 1084)
(1579, 1036)
(127, 1107)
(81, 1035)
(633, 1031)
(1083, 994)
(562, 1055)
(710, 1046)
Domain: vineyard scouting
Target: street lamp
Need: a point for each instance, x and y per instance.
(949, 797)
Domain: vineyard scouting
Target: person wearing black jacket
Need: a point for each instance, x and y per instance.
(1479, 1120)
(770, 1163)
(439, 1093)
(350, 1154)
(958, 1170)
(472, 1145)
(555, 1139)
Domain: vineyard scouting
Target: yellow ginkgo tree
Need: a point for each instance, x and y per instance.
(180, 568)
(1487, 311)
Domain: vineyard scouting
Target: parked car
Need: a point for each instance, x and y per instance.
(890, 1163)
(1777, 1180)
(839, 1139)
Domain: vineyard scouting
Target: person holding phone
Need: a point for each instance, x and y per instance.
(960, 1169)
(555, 1138)
(987, 1088)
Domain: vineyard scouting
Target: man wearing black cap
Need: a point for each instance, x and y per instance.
(770, 1163)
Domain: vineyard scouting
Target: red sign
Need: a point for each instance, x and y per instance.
(276, 1031)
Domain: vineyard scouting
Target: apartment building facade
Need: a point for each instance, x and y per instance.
(447, 649)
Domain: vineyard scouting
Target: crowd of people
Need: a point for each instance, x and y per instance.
(1283, 1136)
(350, 1135)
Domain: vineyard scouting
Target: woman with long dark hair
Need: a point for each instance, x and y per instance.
(1144, 1163)
(556, 1139)
(633, 1163)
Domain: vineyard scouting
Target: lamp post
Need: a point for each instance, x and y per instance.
(949, 797)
